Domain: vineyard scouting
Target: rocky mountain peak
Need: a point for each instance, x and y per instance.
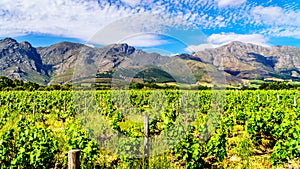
(251, 61)
(237, 43)
(121, 49)
(9, 46)
(25, 45)
(17, 59)
(238, 46)
(8, 43)
(8, 40)
(62, 46)
(56, 53)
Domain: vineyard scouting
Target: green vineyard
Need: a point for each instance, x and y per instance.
(187, 129)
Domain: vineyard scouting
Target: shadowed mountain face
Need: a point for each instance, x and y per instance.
(21, 61)
(65, 61)
(248, 61)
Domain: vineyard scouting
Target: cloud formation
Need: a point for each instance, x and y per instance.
(277, 21)
(217, 40)
(226, 3)
(201, 47)
(225, 38)
(144, 40)
(144, 29)
(82, 19)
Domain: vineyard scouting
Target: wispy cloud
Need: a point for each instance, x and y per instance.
(81, 19)
(277, 21)
(84, 19)
(144, 40)
(225, 38)
(291, 32)
(77, 19)
(137, 30)
(267, 15)
(132, 3)
(201, 47)
(226, 3)
(217, 40)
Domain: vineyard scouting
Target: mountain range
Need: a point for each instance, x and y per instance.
(235, 63)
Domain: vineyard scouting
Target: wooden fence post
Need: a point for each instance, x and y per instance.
(258, 97)
(295, 101)
(146, 145)
(65, 106)
(278, 99)
(74, 159)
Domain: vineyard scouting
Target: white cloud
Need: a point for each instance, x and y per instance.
(276, 16)
(290, 32)
(277, 21)
(268, 15)
(132, 2)
(67, 18)
(144, 40)
(201, 47)
(225, 38)
(143, 28)
(226, 3)
(217, 40)
(81, 19)
(90, 45)
(84, 19)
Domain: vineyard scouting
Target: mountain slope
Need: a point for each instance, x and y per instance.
(21, 61)
(249, 61)
(59, 60)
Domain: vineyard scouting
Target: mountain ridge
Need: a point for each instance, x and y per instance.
(57, 63)
(245, 57)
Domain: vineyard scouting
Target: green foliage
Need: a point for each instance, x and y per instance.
(31, 146)
(37, 129)
(288, 138)
(7, 153)
(136, 86)
(76, 138)
(7, 84)
(277, 86)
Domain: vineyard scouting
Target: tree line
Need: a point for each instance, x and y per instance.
(7, 84)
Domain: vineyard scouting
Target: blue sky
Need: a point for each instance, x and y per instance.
(166, 26)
